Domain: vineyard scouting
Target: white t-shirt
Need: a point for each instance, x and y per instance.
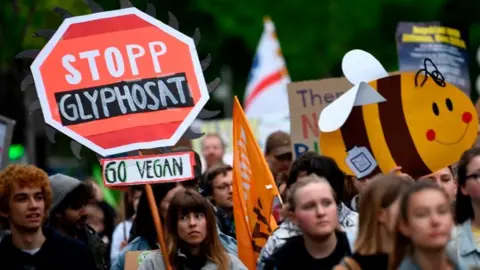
(31, 251)
(121, 233)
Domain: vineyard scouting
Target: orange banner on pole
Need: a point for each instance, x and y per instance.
(254, 191)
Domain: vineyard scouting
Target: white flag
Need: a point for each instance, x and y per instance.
(267, 83)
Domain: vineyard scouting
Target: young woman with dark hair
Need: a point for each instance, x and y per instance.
(143, 234)
(378, 214)
(192, 237)
(465, 243)
(423, 230)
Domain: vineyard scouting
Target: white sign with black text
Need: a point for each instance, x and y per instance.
(138, 170)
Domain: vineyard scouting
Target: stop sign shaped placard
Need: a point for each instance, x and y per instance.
(119, 81)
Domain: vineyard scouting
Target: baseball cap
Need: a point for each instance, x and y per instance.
(278, 143)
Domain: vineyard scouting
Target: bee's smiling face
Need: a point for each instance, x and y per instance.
(458, 124)
(442, 120)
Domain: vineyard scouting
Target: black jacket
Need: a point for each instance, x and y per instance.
(57, 253)
(294, 255)
(97, 247)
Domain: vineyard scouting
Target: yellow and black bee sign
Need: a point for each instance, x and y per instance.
(413, 120)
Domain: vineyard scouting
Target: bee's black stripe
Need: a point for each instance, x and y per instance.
(396, 131)
(354, 133)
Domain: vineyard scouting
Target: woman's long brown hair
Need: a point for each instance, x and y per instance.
(463, 203)
(380, 194)
(402, 244)
(188, 201)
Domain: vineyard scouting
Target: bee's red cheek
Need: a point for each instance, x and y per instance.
(431, 135)
(467, 117)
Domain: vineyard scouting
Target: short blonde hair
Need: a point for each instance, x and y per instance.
(302, 182)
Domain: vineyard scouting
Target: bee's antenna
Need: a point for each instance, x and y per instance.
(436, 75)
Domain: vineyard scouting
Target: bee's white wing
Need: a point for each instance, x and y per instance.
(360, 66)
(334, 115)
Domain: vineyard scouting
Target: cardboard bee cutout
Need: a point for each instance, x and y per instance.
(415, 120)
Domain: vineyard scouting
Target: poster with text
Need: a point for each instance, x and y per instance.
(6, 133)
(445, 46)
(120, 81)
(306, 100)
(153, 169)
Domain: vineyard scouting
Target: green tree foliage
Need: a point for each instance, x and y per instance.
(19, 19)
(314, 35)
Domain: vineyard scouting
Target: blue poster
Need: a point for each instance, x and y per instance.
(445, 46)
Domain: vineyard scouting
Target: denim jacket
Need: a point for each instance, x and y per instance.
(139, 243)
(225, 222)
(462, 245)
(408, 263)
(154, 261)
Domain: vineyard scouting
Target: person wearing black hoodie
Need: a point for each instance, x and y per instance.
(25, 197)
(68, 216)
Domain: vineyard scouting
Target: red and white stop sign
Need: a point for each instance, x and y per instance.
(119, 81)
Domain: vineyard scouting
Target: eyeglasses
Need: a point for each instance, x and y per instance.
(284, 157)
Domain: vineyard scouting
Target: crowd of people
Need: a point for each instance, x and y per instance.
(329, 220)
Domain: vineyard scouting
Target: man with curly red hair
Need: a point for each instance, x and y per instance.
(25, 199)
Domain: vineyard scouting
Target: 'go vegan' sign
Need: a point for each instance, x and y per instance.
(172, 167)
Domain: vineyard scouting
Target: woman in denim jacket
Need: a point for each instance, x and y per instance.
(465, 242)
(144, 237)
(423, 230)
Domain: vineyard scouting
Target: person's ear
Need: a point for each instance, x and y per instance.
(463, 190)
(289, 214)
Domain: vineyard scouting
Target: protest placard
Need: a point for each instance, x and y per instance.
(6, 133)
(119, 81)
(395, 121)
(445, 46)
(306, 100)
(138, 170)
(133, 259)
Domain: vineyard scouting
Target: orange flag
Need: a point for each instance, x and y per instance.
(254, 191)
